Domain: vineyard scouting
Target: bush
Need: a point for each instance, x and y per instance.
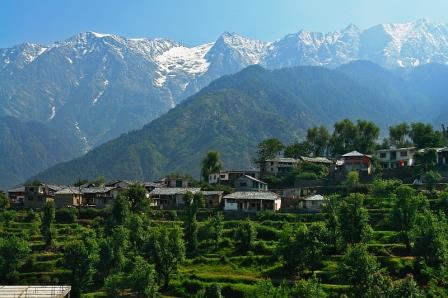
(113, 285)
(307, 176)
(267, 233)
(66, 215)
(91, 213)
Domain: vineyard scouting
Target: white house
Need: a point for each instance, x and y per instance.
(279, 165)
(252, 201)
(313, 202)
(396, 157)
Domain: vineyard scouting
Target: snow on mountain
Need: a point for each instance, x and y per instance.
(109, 84)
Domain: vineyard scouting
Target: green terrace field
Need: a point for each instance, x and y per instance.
(237, 271)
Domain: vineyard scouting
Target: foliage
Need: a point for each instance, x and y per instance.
(318, 139)
(13, 255)
(352, 180)
(192, 203)
(4, 201)
(215, 226)
(48, 219)
(349, 137)
(136, 195)
(398, 135)
(331, 214)
(210, 164)
(142, 279)
(168, 252)
(120, 210)
(245, 236)
(297, 149)
(385, 188)
(80, 257)
(66, 215)
(358, 269)
(431, 178)
(425, 160)
(424, 136)
(353, 220)
(268, 148)
(404, 213)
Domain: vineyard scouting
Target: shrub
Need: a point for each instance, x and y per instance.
(66, 215)
(307, 176)
(267, 233)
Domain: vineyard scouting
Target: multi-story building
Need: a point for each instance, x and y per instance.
(279, 165)
(396, 157)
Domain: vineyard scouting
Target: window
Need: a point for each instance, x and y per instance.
(272, 163)
(179, 183)
(243, 183)
(403, 153)
(383, 155)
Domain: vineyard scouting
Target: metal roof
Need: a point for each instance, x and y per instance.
(352, 154)
(282, 159)
(253, 179)
(169, 191)
(68, 191)
(316, 159)
(17, 189)
(396, 149)
(212, 192)
(34, 291)
(100, 189)
(314, 198)
(253, 195)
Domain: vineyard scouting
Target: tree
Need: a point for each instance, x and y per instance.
(136, 195)
(99, 181)
(367, 135)
(406, 288)
(216, 226)
(430, 236)
(119, 243)
(331, 215)
(398, 135)
(352, 180)
(169, 252)
(431, 178)
(13, 254)
(142, 279)
(213, 291)
(318, 139)
(4, 202)
(210, 164)
(245, 236)
(404, 211)
(136, 232)
(344, 137)
(310, 288)
(353, 220)
(192, 203)
(425, 160)
(297, 150)
(268, 148)
(358, 269)
(424, 136)
(120, 210)
(309, 241)
(79, 257)
(47, 228)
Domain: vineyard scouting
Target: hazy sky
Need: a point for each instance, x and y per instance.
(197, 21)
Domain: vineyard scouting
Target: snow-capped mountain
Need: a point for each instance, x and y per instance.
(97, 86)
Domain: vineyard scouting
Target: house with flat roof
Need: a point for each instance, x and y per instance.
(69, 196)
(37, 195)
(100, 196)
(170, 197)
(279, 165)
(16, 196)
(229, 177)
(35, 291)
(252, 201)
(393, 158)
(212, 198)
(312, 203)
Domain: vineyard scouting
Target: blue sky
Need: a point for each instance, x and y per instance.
(197, 21)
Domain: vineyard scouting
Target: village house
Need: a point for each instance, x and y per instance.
(229, 177)
(312, 203)
(36, 196)
(212, 199)
(70, 196)
(175, 181)
(249, 183)
(396, 157)
(252, 201)
(170, 197)
(279, 165)
(317, 160)
(355, 161)
(16, 196)
(100, 196)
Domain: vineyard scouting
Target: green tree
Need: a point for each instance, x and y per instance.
(79, 257)
(358, 269)
(142, 279)
(398, 135)
(424, 136)
(4, 202)
(245, 235)
(344, 137)
(215, 226)
(268, 148)
(265, 289)
(99, 181)
(47, 225)
(431, 178)
(367, 136)
(406, 288)
(192, 203)
(137, 231)
(120, 210)
(136, 195)
(13, 255)
(318, 139)
(430, 237)
(297, 150)
(353, 220)
(119, 243)
(425, 160)
(310, 288)
(352, 180)
(169, 252)
(213, 291)
(210, 164)
(406, 207)
(331, 216)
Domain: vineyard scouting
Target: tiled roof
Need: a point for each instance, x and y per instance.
(253, 195)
